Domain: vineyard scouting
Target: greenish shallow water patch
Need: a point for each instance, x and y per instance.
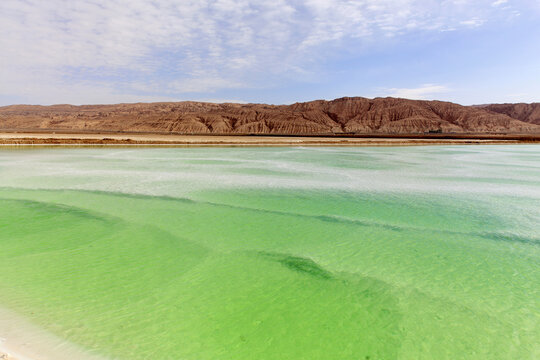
(245, 268)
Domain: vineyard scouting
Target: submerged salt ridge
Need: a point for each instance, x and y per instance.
(260, 253)
(425, 169)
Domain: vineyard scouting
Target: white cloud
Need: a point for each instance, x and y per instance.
(499, 2)
(171, 47)
(203, 84)
(423, 92)
(474, 22)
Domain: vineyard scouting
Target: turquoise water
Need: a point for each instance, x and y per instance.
(276, 253)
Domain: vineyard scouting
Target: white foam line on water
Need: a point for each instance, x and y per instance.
(22, 340)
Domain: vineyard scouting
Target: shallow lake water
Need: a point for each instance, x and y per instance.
(276, 253)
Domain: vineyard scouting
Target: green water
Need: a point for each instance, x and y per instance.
(276, 253)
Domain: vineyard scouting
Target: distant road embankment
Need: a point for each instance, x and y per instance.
(71, 138)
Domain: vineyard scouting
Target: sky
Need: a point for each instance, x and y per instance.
(277, 52)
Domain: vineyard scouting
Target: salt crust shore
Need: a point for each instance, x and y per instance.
(233, 140)
(22, 340)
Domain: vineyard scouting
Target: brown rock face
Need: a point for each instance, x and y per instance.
(525, 112)
(344, 115)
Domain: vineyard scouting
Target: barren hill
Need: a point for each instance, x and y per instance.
(344, 115)
(525, 112)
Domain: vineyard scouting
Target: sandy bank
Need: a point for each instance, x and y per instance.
(232, 140)
(22, 340)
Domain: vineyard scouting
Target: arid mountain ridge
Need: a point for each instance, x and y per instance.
(525, 112)
(340, 116)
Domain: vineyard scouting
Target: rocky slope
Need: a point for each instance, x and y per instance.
(344, 115)
(525, 112)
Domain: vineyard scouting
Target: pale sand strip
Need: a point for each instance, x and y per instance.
(234, 140)
(22, 340)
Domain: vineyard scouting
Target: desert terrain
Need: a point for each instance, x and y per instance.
(347, 121)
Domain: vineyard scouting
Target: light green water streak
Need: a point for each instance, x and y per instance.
(287, 253)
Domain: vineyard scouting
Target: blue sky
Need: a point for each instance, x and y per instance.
(280, 51)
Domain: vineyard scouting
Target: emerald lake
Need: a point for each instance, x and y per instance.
(276, 253)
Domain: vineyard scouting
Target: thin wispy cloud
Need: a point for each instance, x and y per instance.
(423, 92)
(499, 2)
(172, 48)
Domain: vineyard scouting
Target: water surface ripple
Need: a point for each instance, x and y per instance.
(276, 253)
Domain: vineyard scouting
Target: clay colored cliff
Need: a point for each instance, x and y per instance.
(341, 116)
(525, 112)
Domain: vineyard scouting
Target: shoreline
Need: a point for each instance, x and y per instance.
(85, 139)
(20, 339)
